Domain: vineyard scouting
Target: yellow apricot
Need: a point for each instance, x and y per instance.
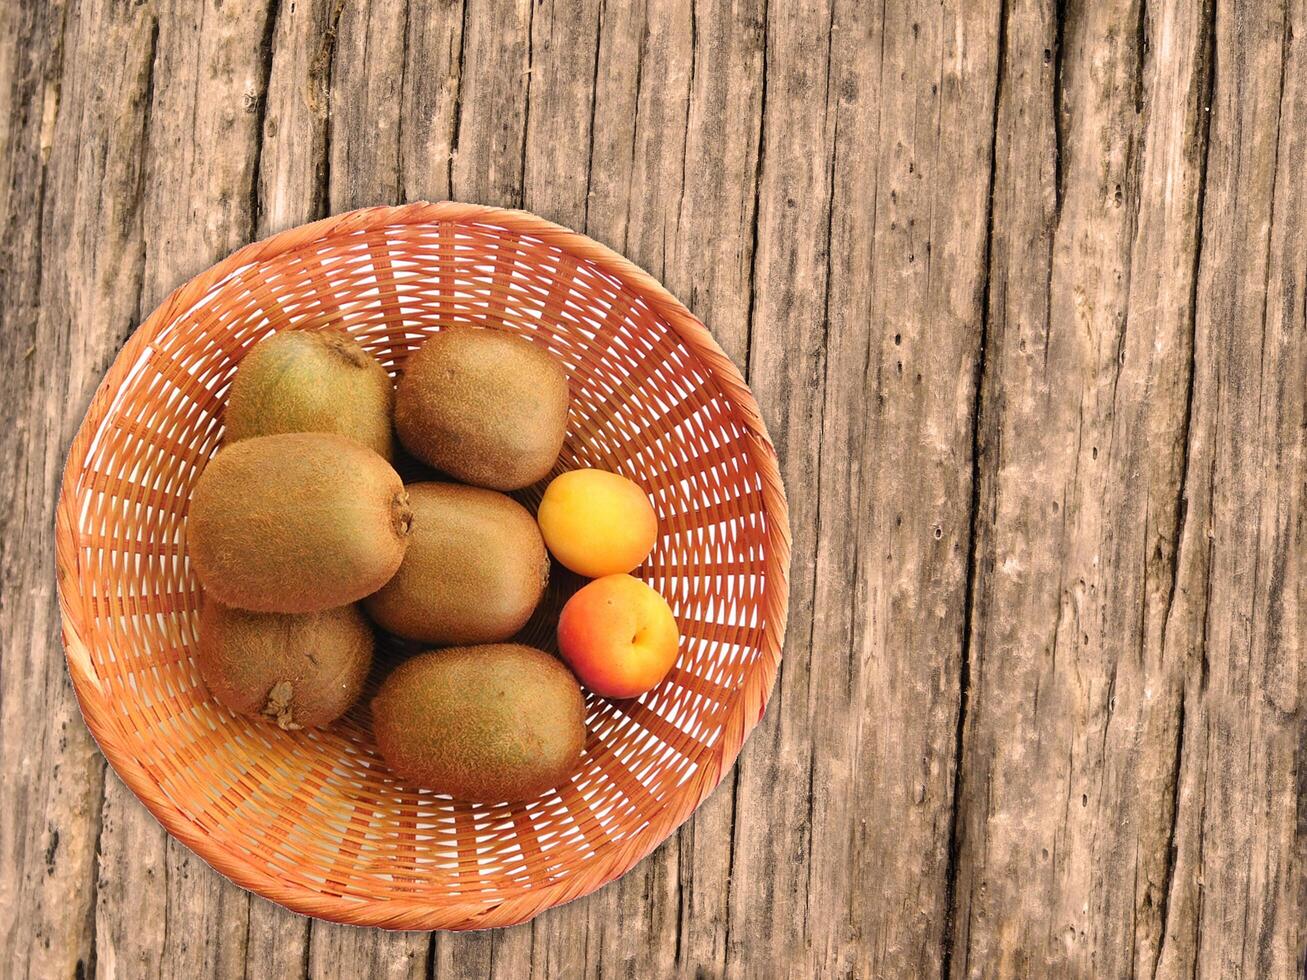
(597, 523)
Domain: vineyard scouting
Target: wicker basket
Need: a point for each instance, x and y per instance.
(313, 820)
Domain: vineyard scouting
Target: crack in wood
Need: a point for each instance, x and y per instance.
(1203, 136)
(1060, 16)
(952, 923)
(401, 191)
(261, 114)
(594, 102)
(1172, 849)
(1275, 175)
(308, 950)
(147, 115)
(91, 963)
(730, 859)
(321, 72)
(1141, 46)
(526, 111)
(685, 127)
(823, 353)
(456, 128)
(760, 155)
(635, 130)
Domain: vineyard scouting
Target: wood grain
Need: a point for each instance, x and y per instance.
(905, 313)
(1240, 872)
(1020, 287)
(1082, 433)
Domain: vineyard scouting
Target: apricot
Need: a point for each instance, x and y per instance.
(619, 636)
(597, 523)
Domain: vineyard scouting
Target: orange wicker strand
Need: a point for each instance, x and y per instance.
(313, 820)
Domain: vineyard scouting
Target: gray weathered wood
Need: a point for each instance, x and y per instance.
(1027, 322)
(1238, 890)
(1073, 717)
(74, 237)
(769, 857)
(911, 94)
(1093, 626)
(491, 98)
(292, 175)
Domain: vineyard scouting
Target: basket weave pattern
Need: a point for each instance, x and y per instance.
(313, 820)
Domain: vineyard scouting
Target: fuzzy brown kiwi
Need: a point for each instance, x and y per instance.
(296, 522)
(486, 724)
(474, 570)
(303, 670)
(486, 407)
(311, 381)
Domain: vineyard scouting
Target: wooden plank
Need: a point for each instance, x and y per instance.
(491, 103)
(489, 81)
(368, 72)
(911, 93)
(1074, 707)
(565, 39)
(561, 128)
(50, 770)
(495, 954)
(788, 326)
(1237, 901)
(159, 906)
(277, 941)
(292, 172)
(574, 940)
(710, 259)
(652, 183)
(432, 81)
(618, 75)
(344, 951)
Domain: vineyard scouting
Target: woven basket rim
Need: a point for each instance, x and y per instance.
(393, 913)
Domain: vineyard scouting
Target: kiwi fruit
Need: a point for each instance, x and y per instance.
(311, 381)
(303, 670)
(474, 570)
(485, 724)
(296, 522)
(484, 406)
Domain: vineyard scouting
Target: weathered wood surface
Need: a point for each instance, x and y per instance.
(1021, 287)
